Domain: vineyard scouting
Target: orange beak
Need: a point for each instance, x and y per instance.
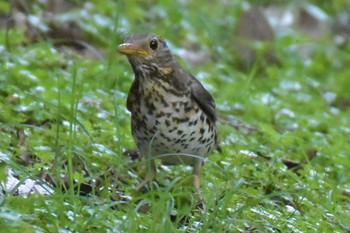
(131, 49)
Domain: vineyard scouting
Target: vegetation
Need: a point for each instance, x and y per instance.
(283, 125)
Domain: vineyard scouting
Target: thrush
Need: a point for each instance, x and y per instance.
(172, 114)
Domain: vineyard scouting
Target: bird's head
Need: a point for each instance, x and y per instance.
(147, 51)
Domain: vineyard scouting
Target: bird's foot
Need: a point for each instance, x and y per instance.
(201, 203)
(151, 175)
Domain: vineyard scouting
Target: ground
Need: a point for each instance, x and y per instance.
(65, 163)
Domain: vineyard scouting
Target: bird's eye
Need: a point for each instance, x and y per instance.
(153, 44)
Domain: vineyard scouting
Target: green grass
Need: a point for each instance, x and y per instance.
(63, 117)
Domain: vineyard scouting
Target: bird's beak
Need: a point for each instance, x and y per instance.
(131, 49)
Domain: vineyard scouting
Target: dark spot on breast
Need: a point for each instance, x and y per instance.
(202, 118)
(188, 109)
(172, 130)
(165, 104)
(202, 141)
(167, 138)
(181, 120)
(153, 130)
(177, 141)
(187, 106)
(208, 121)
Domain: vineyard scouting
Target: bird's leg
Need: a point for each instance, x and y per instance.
(197, 181)
(150, 175)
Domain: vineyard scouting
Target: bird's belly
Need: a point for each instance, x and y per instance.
(174, 137)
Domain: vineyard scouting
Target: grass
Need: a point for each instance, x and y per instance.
(283, 128)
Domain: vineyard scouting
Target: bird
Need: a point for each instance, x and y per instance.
(173, 116)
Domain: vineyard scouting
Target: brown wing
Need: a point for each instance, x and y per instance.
(203, 98)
